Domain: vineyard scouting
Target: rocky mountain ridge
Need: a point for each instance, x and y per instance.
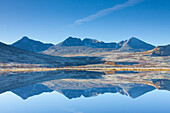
(73, 45)
(87, 42)
(87, 46)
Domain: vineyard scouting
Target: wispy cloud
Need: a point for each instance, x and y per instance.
(104, 12)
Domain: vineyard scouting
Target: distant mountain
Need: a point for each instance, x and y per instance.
(161, 51)
(72, 42)
(136, 45)
(87, 42)
(87, 46)
(31, 45)
(16, 55)
(77, 46)
(10, 54)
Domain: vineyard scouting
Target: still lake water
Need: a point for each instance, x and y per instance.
(85, 92)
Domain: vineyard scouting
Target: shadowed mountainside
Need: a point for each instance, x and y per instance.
(11, 54)
(31, 45)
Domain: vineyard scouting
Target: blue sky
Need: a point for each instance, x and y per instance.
(107, 20)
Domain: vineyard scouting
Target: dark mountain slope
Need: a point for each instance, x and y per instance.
(31, 45)
(11, 54)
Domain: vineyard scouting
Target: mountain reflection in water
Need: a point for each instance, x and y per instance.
(74, 84)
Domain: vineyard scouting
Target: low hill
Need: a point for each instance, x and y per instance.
(161, 51)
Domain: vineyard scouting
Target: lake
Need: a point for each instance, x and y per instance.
(85, 92)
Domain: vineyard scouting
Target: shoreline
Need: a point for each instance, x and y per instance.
(81, 69)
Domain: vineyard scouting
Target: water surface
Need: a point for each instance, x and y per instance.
(85, 92)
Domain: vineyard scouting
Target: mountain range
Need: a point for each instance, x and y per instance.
(72, 46)
(87, 46)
